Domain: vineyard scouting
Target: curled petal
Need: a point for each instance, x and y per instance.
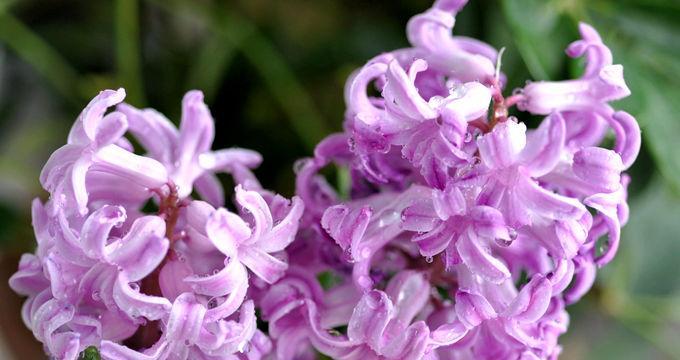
(431, 32)
(436, 240)
(472, 309)
(408, 344)
(265, 266)
(29, 279)
(140, 170)
(607, 205)
(370, 318)
(95, 233)
(185, 321)
(467, 102)
(257, 207)
(153, 130)
(227, 231)
(346, 226)
(584, 278)
(113, 351)
(500, 148)
(229, 305)
(545, 146)
(448, 334)
(283, 233)
(479, 260)
(136, 304)
(409, 291)
(590, 45)
(630, 147)
(488, 223)
(599, 167)
(85, 128)
(546, 203)
(226, 159)
(142, 248)
(401, 95)
(531, 302)
(561, 277)
(221, 283)
(111, 128)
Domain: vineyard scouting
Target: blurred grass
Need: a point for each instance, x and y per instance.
(273, 74)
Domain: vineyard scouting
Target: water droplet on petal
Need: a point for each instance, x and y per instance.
(212, 303)
(429, 259)
(503, 242)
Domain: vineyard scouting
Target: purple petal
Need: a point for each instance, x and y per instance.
(85, 128)
(253, 202)
(136, 304)
(227, 231)
(370, 318)
(409, 291)
(546, 203)
(472, 309)
(479, 260)
(94, 235)
(265, 266)
(531, 302)
(29, 279)
(185, 321)
(500, 148)
(545, 146)
(225, 281)
(283, 233)
(599, 167)
(142, 249)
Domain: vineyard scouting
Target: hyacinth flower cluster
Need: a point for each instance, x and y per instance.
(464, 233)
(130, 261)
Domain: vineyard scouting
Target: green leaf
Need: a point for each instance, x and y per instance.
(541, 34)
(274, 71)
(128, 56)
(647, 46)
(38, 53)
(655, 212)
(90, 353)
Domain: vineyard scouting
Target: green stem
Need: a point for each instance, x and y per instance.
(128, 58)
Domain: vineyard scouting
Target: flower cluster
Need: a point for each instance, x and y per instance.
(463, 233)
(129, 262)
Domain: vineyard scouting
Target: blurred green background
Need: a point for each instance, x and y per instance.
(273, 73)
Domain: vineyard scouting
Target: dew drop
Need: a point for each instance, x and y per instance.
(134, 286)
(503, 242)
(212, 303)
(96, 296)
(468, 137)
(429, 259)
(512, 233)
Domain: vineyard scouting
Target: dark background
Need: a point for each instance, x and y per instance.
(273, 72)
